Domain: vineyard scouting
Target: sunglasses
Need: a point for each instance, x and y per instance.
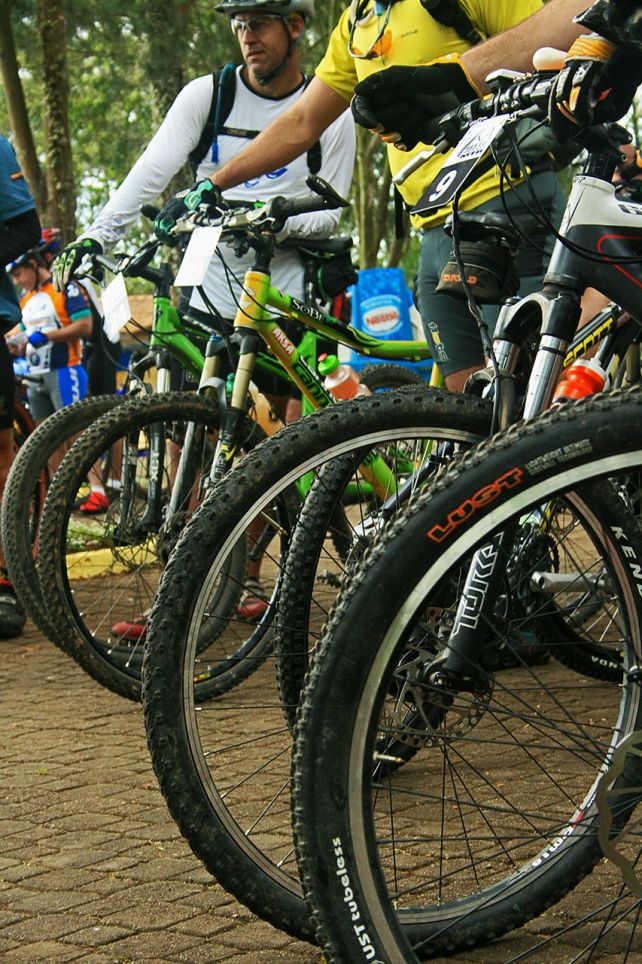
(254, 24)
(371, 52)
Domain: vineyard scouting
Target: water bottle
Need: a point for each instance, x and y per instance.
(342, 381)
(584, 377)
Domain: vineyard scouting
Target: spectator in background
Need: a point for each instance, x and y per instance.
(53, 324)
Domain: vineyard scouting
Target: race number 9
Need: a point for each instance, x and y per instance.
(442, 185)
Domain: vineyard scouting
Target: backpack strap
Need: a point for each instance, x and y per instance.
(451, 14)
(223, 92)
(314, 151)
(223, 89)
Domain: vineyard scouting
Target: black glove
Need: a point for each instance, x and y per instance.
(69, 260)
(596, 85)
(202, 194)
(625, 17)
(403, 104)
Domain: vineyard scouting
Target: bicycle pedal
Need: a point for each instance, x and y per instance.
(331, 579)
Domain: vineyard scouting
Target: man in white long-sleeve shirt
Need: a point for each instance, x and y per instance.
(266, 84)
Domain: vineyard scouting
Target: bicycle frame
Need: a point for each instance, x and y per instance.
(255, 322)
(594, 219)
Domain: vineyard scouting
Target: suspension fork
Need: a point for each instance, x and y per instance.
(151, 518)
(478, 600)
(235, 412)
(210, 385)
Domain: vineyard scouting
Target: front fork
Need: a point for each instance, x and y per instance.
(478, 601)
(151, 518)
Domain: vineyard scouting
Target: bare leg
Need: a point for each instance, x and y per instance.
(456, 380)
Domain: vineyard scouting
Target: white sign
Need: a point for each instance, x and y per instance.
(115, 308)
(200, 251)
(457, 170)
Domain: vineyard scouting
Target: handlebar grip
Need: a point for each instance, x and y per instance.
(283, 208)
(149, 211)
(106, 262)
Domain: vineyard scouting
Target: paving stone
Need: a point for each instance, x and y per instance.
(97, 935)
(43, 902)
(44, 926)
(43, 951)
(91, 865)
(156, 916)
(256, 935)
(21, 872)
(140, 946)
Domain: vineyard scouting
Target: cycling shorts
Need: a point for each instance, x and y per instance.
(101, 369)
(57, 388)
(450, 329)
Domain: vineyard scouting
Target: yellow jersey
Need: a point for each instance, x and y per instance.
(412, 36)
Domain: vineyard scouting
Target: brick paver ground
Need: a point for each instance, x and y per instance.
(93, 868)
(91, 865)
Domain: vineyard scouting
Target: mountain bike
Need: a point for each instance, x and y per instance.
(37, 460)
(238, 827)
(104, 630)
(455, 812)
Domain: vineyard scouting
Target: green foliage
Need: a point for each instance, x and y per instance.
(126, 63)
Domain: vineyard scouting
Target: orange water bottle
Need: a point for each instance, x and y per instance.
(342, 381)
(584, 377)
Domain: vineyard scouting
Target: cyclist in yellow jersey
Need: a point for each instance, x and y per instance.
(369, 37)
(404, 32)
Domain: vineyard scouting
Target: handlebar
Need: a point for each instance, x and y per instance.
(526, 98)
(270, 217)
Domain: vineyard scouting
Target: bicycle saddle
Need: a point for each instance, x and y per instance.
(475, 226)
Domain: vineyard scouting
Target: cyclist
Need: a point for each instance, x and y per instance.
(370, 36)
(19, 230)
(100, 357)
(53, 324)
(602, 73)
(263, 87)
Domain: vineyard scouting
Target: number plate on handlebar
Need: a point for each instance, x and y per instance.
(197, 257)
(457, 169)
(116, 308)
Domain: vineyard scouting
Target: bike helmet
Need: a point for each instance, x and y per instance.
(283, 7)
(280, 8)
(50, 241)
(23, 261)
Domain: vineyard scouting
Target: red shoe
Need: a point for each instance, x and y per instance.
(132, 632)
(254, 602)
(95, 503)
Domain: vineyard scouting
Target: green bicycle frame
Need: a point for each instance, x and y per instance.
(258, 297)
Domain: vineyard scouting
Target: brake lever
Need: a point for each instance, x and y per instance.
(318, 186)
(418, 161)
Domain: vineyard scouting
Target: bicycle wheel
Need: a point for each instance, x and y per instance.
(30, 473)
(223, 765)
(382, 378)
(101, 573)
(433, 812)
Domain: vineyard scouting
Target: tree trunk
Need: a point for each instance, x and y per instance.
(372, 199)
(61, 209)
(17, 109)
